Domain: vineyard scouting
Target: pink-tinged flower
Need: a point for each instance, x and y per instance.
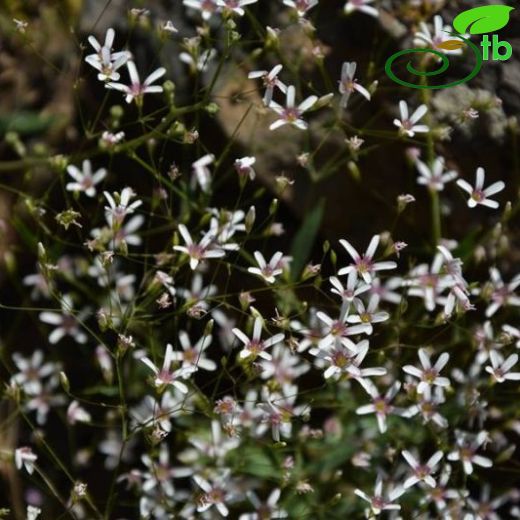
(166, 376)
(255, 346)
(435, 177)
(466, 451)
(377, 501)
(104, 60)
(365, 265)
(158, 413)
(216, 493)
(348, 85)
(500, 368)
(284, 367)
(362, 6)
(428, 407)
(119, 206)
(235, 6)
(407, 125)
(136, 90)
(369, 314)
(503, 293)
(301, 6)
(268, 271)
(25, 458)
(338, 329)
(193, 355)
(270, 81)
(353, 288)
(422, 472)
(441, 33)
(479, 195)
(381, 404)
(202, 250)
(31, 372)
(66, 323)
(85, 180)
(428, 374)
(267, 509)
(244, 167)
(206, 7)
(76, 413)
(291, 114)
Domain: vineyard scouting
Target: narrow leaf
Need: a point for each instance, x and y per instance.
(451, 45)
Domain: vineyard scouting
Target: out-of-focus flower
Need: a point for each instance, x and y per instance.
(66, 323)
(193, 355)
(85, 180)
(362, 6)
(435, 177)
(206, 7)
(478, 194)
(500, 368)
(378, 502)
(428, 374)
(407, 124)
(75, 413)
(201, 173)
(270, 81)
(301, 6)
(165, 375)
(235, 6)
(25, 458)
(466, 451)
(267, 509)
(244, 167)
(422, 472)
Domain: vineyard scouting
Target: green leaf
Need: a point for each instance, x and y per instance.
(481, 20)
(304, 239)
(25, 122)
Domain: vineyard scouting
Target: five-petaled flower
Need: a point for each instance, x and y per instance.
(291, 114)
(256, 346)
(408, 124)
(348, 84)
(478, 194)
(85, 180)
(206, 248)
(429, 375)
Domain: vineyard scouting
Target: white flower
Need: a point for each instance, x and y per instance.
(136, 90)
(291, 114)
(267, 509)
(378, 502)
(268, 271)
(119, 205)
(206, 7)
(24, 457)
(514, 332)
(32, 371)
(104, 60)
(270, 80)
(368, 315)
(503, 293)
(85, 180)
(193, 355)
(429, 375)
(500, 369)
(421, 472)
(479, 195)
(201, 173)
(427, 407)
(365, 265)
(348, 84)
(216, 493)
(441, 33)
(33, 512)
(338, 329)
(353, 288)
(206, 248)
(466, 452)
(255, 346)
(435, 177)
(244, 167)
(167, 376)
(200, 61)
(361, 5)
(381, 404)
(301, 6)
(66, 323)
(235, 6)
(75, 413)
(407, 125)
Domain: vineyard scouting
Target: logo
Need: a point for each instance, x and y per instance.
(480, 20)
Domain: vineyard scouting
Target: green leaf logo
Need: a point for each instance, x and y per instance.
(481, 20)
